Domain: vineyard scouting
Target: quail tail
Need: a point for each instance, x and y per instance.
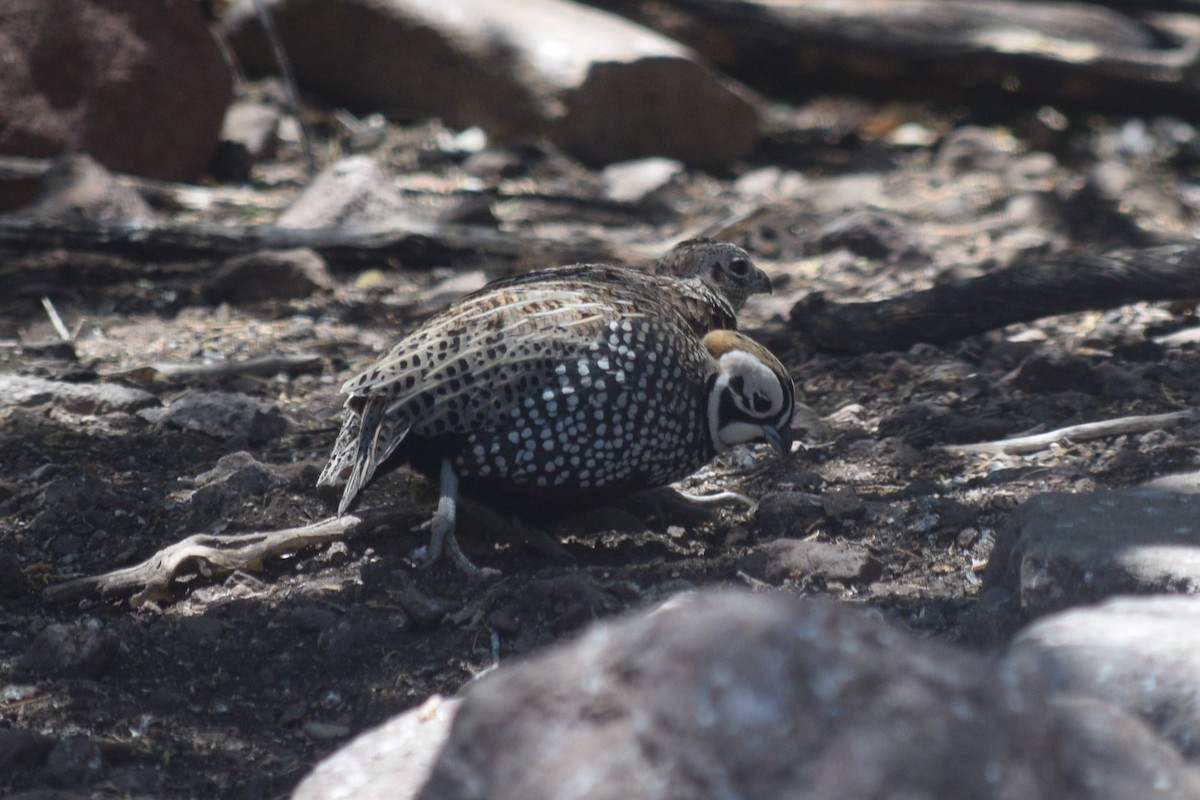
(343, 451)
(368, 437)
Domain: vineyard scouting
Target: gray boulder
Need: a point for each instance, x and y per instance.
(603, 88)
(1061, 550)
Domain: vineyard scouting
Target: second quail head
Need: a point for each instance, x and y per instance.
(724, 266)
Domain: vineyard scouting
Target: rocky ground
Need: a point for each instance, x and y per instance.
(235, 685)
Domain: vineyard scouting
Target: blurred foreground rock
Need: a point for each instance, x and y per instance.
(1139, 653)
(739, 695)
(603, 88)
(140, 86)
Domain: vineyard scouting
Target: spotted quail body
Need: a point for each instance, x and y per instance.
(574, 388)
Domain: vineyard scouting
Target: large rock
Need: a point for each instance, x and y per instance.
(81, 398)
(762, 696)
(1142, 654)
(603, 88)
(140, 86)
(1062, 550)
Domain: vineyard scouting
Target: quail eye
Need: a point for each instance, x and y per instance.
(761, 404)
(740, 267)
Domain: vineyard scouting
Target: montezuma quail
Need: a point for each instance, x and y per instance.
(566, 387)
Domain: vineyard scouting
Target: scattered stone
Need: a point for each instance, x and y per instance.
(967, 538)
(77, 188)
(140, 86)
(453, 287)
(75, 761)
(1141, 654)
(354, 191)
(782, 514)
(313, 619)
(390, 762)
(80, 398)
(269, 275)
(496, 162)
(76, 505)
(231, 163)
(234, 480)
(647, 181)
(970, 148)
(241, 471)
(926, 423)
(475, 209)
(1179, 482)
(603, 88)
(567, 602)
(843, 504)
(807, 424)
(68, 651)
(201, 631)
(22, 749)
(771, 181)
(426, 611)
(1061, 550)
(871, 234)
(12, 579)
(254, 125)
(47, 348)
(225, 416)
(1051, 370)
(827, 561)
(249, 135)
(351, 639)
(325, 730)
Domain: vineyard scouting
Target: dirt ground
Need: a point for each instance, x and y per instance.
(235, 685)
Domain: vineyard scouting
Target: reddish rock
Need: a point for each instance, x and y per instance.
(140, 86)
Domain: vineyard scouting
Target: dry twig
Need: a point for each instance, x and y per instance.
(265, 365)
(56, 320)
(151, 579)
(1077, 433)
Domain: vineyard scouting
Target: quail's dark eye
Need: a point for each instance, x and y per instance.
(740, 267)
(761, 404)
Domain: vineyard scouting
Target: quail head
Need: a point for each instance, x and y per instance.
(723, 266)
(558, 391)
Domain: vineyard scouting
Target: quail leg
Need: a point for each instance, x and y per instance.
(442, 525)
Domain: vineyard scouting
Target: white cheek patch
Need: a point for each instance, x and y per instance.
(739, 433)
(761, 395)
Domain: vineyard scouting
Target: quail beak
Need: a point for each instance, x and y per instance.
(760, 283)
(780, 442)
